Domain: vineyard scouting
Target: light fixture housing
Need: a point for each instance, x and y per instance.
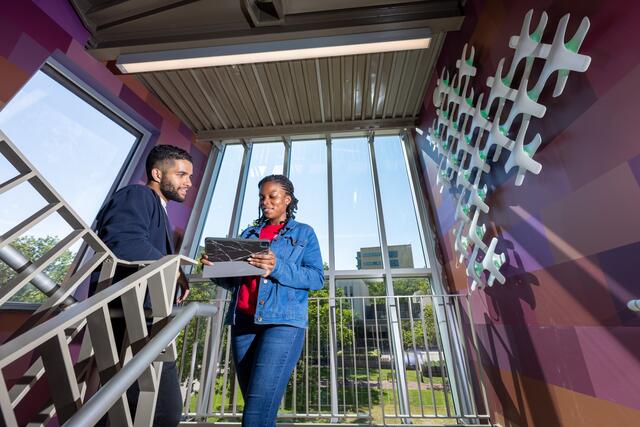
(271, 51)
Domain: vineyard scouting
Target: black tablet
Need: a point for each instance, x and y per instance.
(224, 250)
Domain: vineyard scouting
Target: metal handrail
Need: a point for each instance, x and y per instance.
(50, 340)
(108, 394)
(365, 364)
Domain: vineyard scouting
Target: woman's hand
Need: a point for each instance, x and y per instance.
(263, 260)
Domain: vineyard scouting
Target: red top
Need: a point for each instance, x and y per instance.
(248, 292)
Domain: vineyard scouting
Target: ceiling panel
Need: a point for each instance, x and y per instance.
(314, 91)
(323, 93)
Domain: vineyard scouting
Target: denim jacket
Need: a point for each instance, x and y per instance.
(283, 296)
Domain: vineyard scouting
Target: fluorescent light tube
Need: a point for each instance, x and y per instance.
(317, 47)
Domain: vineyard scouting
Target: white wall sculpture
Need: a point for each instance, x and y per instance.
(458, 132)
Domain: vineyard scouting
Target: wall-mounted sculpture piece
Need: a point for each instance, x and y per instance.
(466, 129)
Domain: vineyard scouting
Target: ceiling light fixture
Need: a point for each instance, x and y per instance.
(281, 50)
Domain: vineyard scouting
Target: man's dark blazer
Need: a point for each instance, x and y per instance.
(134, 225)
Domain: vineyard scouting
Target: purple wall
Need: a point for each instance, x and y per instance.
(557, 344)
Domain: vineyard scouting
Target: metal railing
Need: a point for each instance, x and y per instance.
(365, 389)
(87, 327)
(31, 271)
(70, 347)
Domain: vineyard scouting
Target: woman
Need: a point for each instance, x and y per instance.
(268, 314)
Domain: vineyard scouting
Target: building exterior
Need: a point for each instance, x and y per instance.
(400, 256)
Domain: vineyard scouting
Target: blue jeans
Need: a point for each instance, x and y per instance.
(264, 357)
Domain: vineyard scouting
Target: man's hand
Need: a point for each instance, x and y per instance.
(263, 260)
(184, 287)
(205, 260)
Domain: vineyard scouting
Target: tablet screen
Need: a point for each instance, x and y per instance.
(221, 250)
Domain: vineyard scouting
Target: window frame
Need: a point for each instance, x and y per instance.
(114, 109)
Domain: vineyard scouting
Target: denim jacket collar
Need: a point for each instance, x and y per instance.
(256, 229)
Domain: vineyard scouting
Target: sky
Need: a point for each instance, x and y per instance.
(80, 151)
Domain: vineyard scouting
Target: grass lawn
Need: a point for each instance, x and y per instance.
(352, 388)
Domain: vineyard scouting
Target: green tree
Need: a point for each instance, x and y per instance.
(421, 324)
(32, 248)
(344, 328)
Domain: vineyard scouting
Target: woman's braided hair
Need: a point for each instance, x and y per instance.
(287, 186)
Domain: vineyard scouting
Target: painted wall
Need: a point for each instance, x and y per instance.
(33, 30)
(558, 345)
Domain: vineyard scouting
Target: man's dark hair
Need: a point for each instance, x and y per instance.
(161, 153)
(287, 186)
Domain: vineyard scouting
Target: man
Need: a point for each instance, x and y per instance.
(135, 226)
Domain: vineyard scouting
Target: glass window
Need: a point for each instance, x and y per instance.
(400, 218)
(308, 173)
(221, 207)
(266, 159)
(354, 209)
(76, 147)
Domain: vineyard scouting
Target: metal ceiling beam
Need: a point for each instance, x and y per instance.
(107, 50)
(121, 12)
(309, 128)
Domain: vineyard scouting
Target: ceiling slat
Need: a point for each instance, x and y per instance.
(278, 99)
(167, 82)
(404, 84)
(251, 87)
(244, 99)
(385, 79)
(200, 106)
(322, 83)
(311, 89)
(214, 80)
(285, 81)
(378, 83)
(435, 48)
(412, 91)
(182, 91)
(300, 91)
(224, 74)
(151, 82)
(263, 93)
(217, 97)
(198, 79)
(392, 88)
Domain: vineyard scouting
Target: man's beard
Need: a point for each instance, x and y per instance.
(170, 192)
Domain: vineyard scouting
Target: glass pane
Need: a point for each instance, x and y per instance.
(309, 176)
(266, 159)
(356, 227)
(220, 210)
(53, 127)
(400, 220)
(77, 148)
